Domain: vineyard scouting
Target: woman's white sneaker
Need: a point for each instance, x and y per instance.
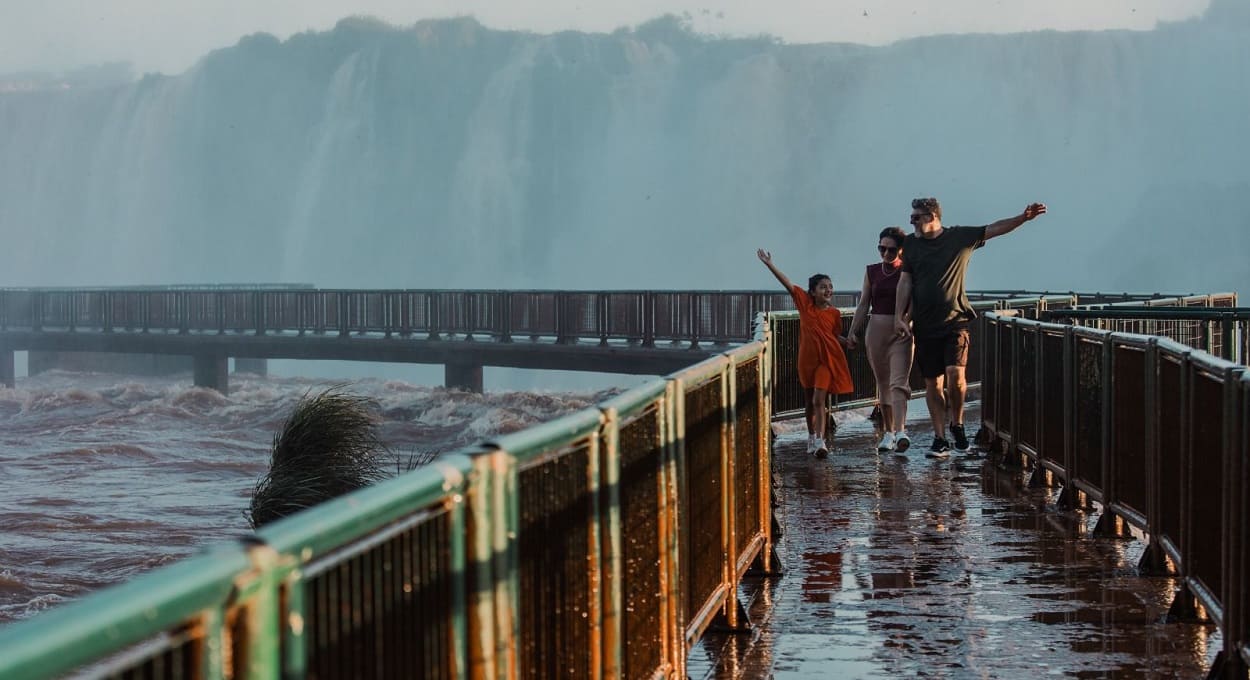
(811, 444)
(887, 442)
(902, 442)
(822, 449)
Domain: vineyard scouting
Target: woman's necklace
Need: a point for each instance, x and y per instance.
(888, 274)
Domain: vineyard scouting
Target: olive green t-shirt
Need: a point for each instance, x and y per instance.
(939, 301)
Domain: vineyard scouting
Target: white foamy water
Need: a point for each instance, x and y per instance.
(108, 476)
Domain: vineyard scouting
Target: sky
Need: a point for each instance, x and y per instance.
(168, 36)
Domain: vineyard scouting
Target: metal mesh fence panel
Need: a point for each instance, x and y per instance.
(747, 455)
(1088, 412)
(384, 612)
(1129, 437)
(1207, 484)
(641, 488)
(787, 392)
(1051, 431)
(1003, 412)
(1171, 446)
(556, 508)
(703, 555)
(1027, 389)
(991, 377)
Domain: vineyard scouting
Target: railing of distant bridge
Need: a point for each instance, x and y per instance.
(1152, 429)
(642, 318)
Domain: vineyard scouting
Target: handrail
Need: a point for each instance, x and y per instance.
(195, 594)
(1151, 313)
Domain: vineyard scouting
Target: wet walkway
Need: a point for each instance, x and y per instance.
(898, 565)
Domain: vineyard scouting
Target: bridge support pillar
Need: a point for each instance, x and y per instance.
(8, 374)
(258, 366)
(212, 371)
(463, 376)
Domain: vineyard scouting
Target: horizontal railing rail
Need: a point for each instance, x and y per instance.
(1095, 297)
(1212, 323)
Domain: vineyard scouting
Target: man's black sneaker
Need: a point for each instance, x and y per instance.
(939, 448)
(961, 439)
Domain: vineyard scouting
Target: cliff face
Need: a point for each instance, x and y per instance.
(448, 154)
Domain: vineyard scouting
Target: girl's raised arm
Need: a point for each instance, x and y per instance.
(767, 258)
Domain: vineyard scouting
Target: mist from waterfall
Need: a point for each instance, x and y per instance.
(447, 154)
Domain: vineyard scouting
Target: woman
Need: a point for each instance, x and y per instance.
(889, 354)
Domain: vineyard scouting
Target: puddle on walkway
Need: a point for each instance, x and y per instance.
(904, 566)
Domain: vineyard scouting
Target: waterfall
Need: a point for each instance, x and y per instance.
(450, 155)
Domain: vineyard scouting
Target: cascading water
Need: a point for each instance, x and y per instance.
(449, 154)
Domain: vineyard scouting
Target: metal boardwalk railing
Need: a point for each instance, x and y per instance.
(605, 543)
(1153, 429)
(601, 544)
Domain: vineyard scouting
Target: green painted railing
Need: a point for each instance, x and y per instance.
(599, 545)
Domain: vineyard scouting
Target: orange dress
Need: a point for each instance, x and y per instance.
(822, 363)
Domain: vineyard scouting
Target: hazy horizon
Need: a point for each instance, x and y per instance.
(59, 36)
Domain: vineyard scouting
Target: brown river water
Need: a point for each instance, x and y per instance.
(105, 477)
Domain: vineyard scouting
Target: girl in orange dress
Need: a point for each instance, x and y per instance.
(822, 363)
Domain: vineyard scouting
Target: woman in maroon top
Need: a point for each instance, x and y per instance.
(889, 355)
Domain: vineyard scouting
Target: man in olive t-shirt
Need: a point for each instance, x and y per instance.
(932, 298)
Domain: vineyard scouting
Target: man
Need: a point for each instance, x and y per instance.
(931, 296)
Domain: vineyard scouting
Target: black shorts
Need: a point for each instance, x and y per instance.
(933, 355)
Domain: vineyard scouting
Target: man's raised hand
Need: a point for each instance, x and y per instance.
(1034, 210)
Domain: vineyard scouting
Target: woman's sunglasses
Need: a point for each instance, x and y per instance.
(886, 250)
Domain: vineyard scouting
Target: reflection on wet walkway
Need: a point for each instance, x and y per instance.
(903, 566)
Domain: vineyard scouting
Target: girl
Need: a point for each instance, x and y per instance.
(822, 359)
(889, 354)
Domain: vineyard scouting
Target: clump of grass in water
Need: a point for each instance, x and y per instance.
(328, 447)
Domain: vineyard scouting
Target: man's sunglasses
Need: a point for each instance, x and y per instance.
(920, 217)
(886, 249)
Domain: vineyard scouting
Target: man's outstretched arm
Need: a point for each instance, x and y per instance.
(1008, 225)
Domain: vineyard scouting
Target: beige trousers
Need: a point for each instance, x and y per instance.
(890, 357)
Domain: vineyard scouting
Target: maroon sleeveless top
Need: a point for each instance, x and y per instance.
(882, 286)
